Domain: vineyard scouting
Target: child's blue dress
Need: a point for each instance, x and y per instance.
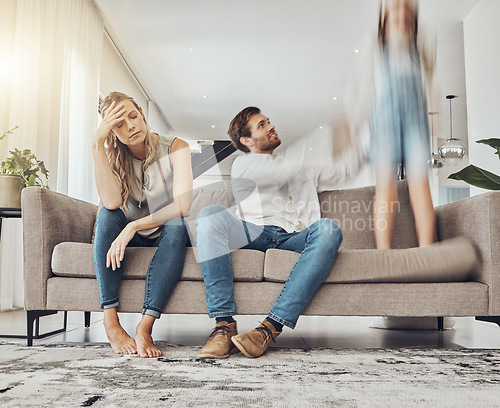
(399, 118)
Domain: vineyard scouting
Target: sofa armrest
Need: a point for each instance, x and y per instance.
(478, 219)
(48, 219)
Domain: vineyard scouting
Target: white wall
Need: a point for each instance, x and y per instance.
(156, 120)
(450, 82)
(115, 76)
(482, 69)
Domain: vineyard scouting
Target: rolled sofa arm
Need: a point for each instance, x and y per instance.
(478, 219)
(48, 219)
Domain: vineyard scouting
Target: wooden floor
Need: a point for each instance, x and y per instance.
(311, 331)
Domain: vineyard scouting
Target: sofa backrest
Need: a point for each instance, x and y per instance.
(352, 209)
(218, 193)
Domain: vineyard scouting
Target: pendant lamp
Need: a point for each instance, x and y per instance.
(452, 151)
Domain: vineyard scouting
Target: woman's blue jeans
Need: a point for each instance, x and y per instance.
(219, 231)
(164, 270)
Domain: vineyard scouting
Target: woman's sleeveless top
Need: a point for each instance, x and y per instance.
(151, 189)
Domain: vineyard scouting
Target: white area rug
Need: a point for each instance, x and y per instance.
(90, 375)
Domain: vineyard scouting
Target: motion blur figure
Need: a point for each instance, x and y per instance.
(403, 65)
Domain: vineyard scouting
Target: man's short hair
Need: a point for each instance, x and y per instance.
(239, 127)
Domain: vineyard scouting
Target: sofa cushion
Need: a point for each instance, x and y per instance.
(75, 260)
(453, 260)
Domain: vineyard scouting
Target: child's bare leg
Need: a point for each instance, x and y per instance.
(120, 341)
(423, 210)
(145, 345)
(386, 194)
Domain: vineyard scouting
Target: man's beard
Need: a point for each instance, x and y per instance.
(270, 144)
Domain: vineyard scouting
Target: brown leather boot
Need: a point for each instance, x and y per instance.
(219, 345)
(256, 342)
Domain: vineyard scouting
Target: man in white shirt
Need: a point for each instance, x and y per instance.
(277, 207)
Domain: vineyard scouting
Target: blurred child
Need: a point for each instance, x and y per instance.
(403, 65)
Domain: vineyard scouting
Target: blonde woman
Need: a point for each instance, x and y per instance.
(144, 181)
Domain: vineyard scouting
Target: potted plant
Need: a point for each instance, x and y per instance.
(21, 169)
(477, 176)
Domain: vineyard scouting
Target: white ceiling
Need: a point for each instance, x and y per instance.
(288, 57)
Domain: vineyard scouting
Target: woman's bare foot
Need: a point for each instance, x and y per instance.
(143, 339)
(120, 341)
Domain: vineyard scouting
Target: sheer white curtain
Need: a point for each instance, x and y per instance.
(52, 95)
(79, 100)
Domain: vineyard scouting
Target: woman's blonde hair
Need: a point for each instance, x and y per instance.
(120, 157)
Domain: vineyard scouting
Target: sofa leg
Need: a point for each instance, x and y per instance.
(440, 322)
(33, 316)
(30, 317)
(491, 319)
(87, 319)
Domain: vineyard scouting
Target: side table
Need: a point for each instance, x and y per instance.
(33, 317)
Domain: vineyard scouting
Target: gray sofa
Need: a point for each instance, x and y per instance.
(458, 276)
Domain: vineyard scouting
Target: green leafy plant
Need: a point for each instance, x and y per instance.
(25, 164)
(477, 176)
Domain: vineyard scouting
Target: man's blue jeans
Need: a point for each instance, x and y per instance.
(219, 231)
(164, 270)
